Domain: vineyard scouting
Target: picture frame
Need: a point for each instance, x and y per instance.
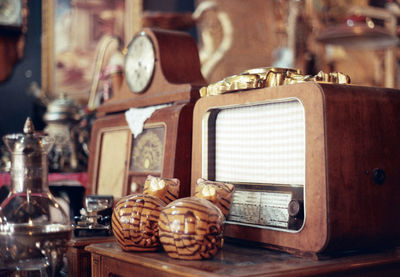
(68, 51)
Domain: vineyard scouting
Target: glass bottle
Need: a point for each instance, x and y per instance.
(34, 229)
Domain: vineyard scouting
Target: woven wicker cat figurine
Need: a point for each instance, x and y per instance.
(191, 228)
(135, 217)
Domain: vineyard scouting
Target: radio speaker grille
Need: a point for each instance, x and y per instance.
(262, 143)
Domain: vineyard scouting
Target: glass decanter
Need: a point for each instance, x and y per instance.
(34, 229)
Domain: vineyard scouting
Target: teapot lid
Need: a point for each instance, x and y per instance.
(62, 109)
(28, 142)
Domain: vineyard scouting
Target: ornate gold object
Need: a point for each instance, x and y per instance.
(232, 83)
(148, 150)
(269, 77)
(334, 77)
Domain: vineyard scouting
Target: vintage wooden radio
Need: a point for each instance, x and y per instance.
(161, 68)
(315, 165)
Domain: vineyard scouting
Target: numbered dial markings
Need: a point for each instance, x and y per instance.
(139, 63)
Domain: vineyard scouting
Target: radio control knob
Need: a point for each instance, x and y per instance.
(296, 208)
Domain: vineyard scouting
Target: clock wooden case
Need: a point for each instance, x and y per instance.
(161, 67)
(176, 74)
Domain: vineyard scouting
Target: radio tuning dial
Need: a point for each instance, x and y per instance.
(295, 208)
(148, 151)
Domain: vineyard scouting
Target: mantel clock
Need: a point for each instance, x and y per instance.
(161, 68)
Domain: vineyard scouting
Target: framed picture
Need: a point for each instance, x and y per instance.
(71, 33)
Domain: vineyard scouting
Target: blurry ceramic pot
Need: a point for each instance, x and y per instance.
(191, 228)
(135, 217)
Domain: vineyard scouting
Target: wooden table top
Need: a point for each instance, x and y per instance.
(238, 260)
(80, 242)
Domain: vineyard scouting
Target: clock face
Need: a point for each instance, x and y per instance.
(148, 149)
(10, 12)
(139, 63)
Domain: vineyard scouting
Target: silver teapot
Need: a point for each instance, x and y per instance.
(34, 228)
(61, 117)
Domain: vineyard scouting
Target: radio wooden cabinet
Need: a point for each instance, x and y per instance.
(163, 145)
(316, 166)
(161, 68)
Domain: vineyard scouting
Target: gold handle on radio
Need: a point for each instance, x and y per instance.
(269, 77)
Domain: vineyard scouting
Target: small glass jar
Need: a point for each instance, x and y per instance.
(34, 229)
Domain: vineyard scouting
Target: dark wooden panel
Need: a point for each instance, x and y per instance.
(79, 260)
(362, 131)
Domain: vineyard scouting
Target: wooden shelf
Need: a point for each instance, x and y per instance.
(108, 259)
